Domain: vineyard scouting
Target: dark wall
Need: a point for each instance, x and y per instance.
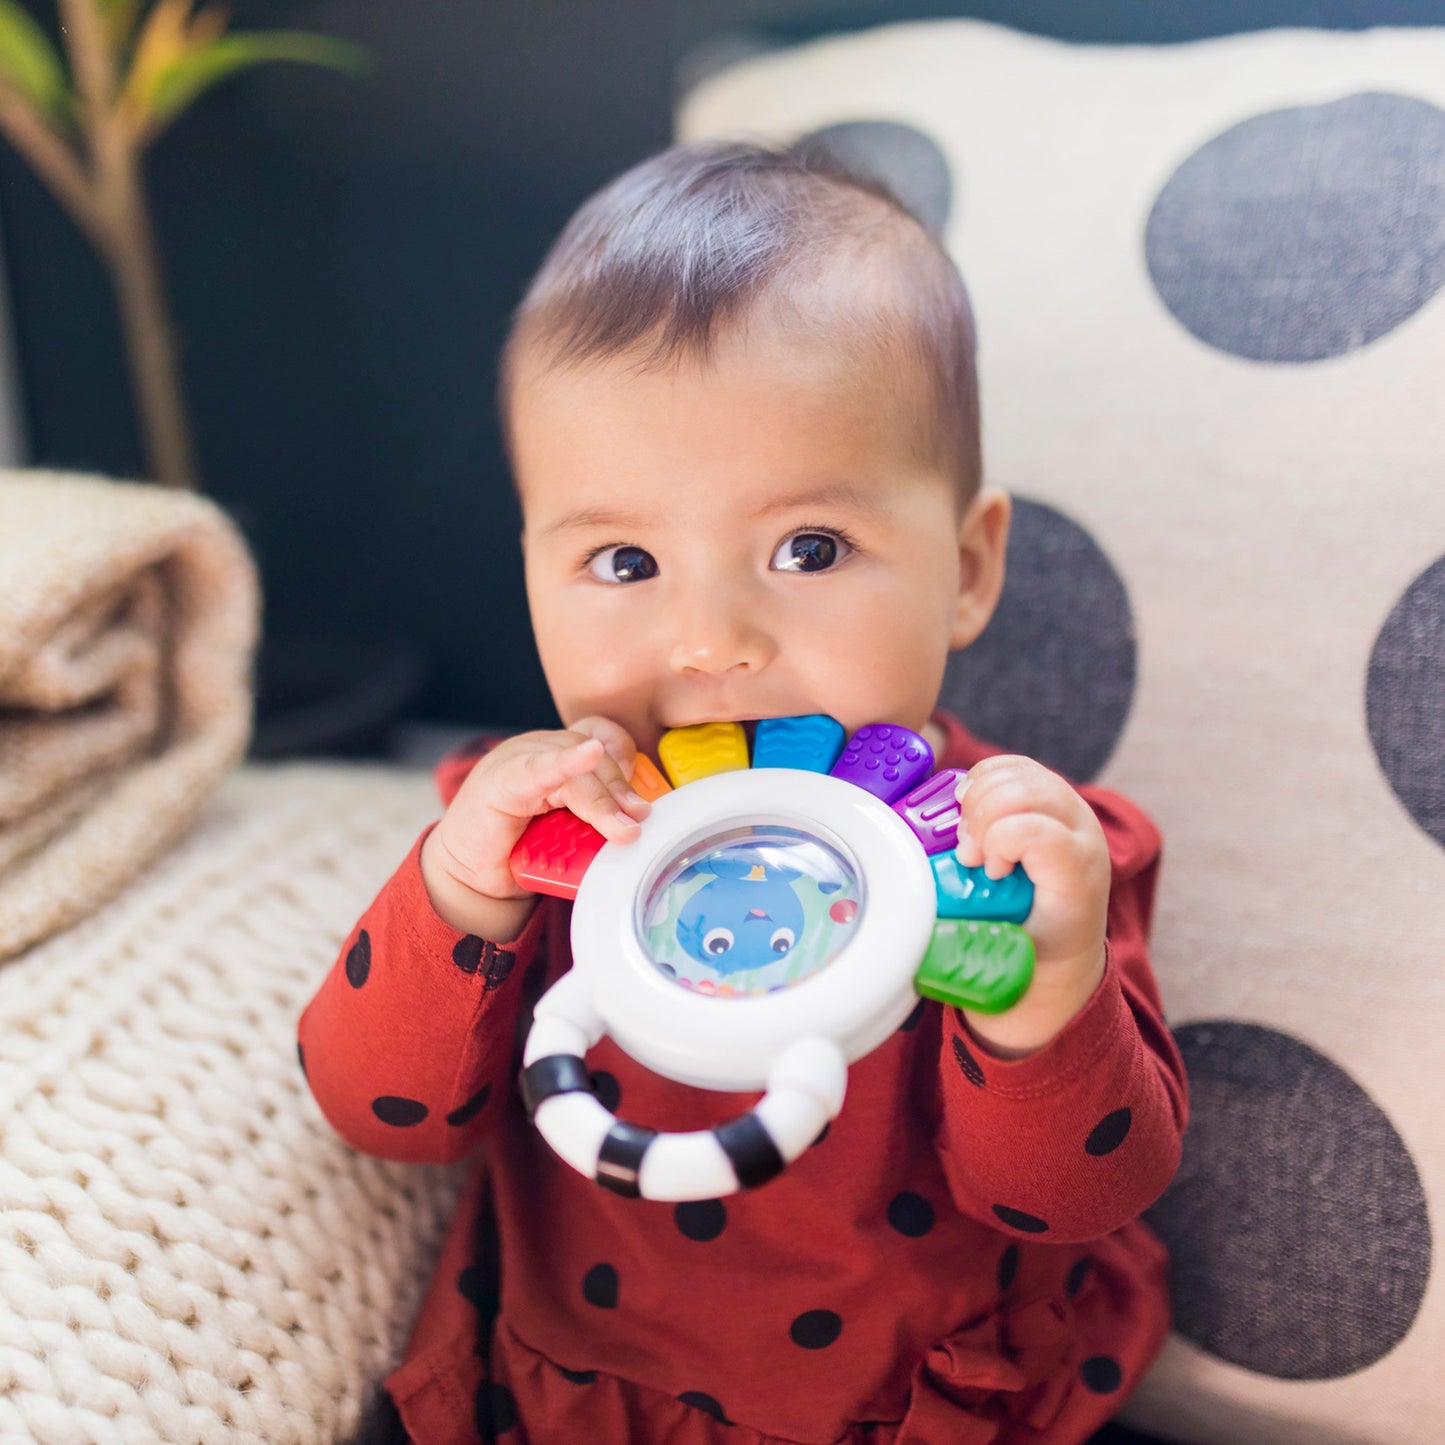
(342, 254)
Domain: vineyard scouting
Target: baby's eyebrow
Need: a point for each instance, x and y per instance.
(870, 500)
(829, 494)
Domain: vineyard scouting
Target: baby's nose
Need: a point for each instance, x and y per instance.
(717, 629)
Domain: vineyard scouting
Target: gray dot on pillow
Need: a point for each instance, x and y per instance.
(1305, 233)
(905, 160)
(1405, 700)
(1297, 1229)
(1053, 673)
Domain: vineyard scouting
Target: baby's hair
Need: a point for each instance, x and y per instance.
(698, 238)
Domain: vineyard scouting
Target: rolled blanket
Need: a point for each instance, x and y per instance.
(128, 622)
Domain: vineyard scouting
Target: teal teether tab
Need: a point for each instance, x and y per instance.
(810, 743)
(982, 966)
(971, 893)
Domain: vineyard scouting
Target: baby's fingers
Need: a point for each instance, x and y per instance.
(610, 812)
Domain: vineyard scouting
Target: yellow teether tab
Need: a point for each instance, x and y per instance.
(702, 750)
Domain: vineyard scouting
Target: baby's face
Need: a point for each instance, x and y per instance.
(755, 537)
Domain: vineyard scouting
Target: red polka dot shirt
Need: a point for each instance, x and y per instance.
(958, 1259)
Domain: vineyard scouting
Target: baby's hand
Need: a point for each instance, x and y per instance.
(585, 768)
(1015, 810)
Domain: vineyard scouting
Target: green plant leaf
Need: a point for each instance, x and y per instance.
(29, 62)
(180, 83)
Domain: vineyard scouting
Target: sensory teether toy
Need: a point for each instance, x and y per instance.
(776, 919)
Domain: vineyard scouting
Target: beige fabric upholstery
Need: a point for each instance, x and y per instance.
(1207, 285)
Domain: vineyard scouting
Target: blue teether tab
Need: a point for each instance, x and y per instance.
(971, 893)
(810, 744)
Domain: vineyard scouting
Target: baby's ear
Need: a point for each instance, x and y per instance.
(982, 548)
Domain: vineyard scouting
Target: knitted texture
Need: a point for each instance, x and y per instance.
(187, 1252)
(128, 617)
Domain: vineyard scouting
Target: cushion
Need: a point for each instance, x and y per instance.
(1207, 280)
(187, 1251)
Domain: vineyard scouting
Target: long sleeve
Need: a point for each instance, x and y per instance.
(409, 1044)
(1082, 1136)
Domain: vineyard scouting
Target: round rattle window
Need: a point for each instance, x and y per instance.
(750, 911)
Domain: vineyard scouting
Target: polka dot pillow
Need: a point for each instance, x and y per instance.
(1208, 284)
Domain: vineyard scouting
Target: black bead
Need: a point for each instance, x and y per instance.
(607, 1089)
(500, 962)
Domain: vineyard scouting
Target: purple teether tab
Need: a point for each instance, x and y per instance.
(885, 760)
(931, 810)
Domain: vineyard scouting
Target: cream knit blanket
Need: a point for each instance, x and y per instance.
(128, 617)
(188, 1254)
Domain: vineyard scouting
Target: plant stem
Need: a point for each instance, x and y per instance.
(127, 246)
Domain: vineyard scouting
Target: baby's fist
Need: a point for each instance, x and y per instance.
(1014, 810)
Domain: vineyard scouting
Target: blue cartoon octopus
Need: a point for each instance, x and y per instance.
(747, 917)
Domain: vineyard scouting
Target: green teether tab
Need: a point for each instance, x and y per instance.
(983, 966)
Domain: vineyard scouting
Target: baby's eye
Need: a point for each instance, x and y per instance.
(622, 564)
(809, 552)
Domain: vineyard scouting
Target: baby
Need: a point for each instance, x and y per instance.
(741, 406)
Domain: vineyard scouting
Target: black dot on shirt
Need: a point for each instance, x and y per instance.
(910, 1214)
(467, 954)
(496, 1410)
(393, 1109)
(701, 1219)
(972, 1070)
(358, 960)
(1008, 1267)
(706, 1404)
(911, 1022)
(579, 1377)
(607, 1089)
(478, 1287)
(599, 1286)
(301, 1059)
(500, 963)
(1078, 1273)
(815, 1329)
(1101, 1374)
(474, 1106)
(1017, 1219)
(1109, 1132)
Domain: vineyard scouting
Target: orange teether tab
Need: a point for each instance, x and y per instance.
(647, 782)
